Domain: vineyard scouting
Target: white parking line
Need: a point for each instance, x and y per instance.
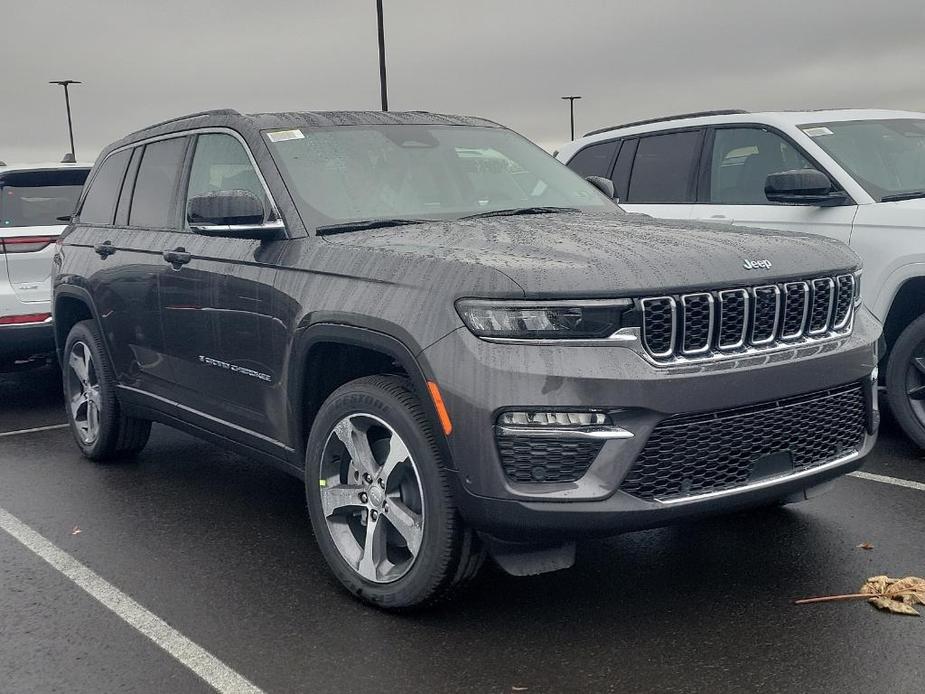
(33, 430)
(908, 484)
(218, 675)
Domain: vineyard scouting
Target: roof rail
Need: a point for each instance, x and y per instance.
(198, 114)
(680, 116)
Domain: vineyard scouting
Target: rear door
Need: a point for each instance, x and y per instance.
(659, 173)
(223, 319)
(737, 161)
(130, 207)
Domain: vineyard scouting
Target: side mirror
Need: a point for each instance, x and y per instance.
(803, 187)
(236, 214)
(605, 185)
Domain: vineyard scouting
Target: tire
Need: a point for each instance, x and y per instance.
(99, 427)
(905, 381)
(435, 554)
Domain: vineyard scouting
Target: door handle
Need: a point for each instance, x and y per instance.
(105, 249)
(177, 257)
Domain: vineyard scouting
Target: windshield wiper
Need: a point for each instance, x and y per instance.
(520, 210)
(364, 224)
(911, 195)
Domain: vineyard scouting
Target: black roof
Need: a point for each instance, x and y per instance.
(297, 119)
(680, 116)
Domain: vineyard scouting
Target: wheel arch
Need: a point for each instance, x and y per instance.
(355, 352)
(71, 305)
(908, 303)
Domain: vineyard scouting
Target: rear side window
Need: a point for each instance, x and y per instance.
(100, 203)
(664, 167)
(594, 160)
(155, 195)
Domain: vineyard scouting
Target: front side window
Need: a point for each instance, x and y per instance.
(154, 198)
(39, 198)
(347, 174)
(220, 163)
(664, 167)
(741, 161)
(886, 157)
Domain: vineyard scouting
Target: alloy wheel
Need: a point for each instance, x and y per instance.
(84, 398)
(371, 498)
(915, 382)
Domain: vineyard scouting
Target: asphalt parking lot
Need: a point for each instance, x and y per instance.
(219, 548)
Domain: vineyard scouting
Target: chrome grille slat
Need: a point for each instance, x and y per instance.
(739, 321)
(796, 310)
(823, 297)
(697, 316)
(733, 318)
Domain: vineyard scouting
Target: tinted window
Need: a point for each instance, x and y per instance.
(38, 198)
(663, 168)
(621, 170)
(100, 203)
(741, 160)
(594, 160)
(153, 202)
(220, 163)
(125, 197)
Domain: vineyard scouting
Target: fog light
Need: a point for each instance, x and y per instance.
(553, 419)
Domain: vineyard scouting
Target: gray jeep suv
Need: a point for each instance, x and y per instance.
(458, 344)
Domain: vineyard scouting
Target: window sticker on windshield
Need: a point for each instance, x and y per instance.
(816, 132)
(282, 135)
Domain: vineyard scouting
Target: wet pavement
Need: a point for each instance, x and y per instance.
(220, 548)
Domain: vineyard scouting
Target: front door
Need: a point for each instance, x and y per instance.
(739, 162)
(222, 317)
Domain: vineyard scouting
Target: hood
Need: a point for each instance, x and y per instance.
(581, 254)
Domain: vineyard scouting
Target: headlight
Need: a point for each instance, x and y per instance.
(543, 320)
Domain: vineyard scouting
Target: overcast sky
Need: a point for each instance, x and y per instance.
(509, 61)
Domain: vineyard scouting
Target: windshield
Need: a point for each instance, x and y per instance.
(886, 157)
(38, 198)
(353, 173)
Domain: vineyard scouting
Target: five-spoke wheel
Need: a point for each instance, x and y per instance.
(371, 496)
(83, 388)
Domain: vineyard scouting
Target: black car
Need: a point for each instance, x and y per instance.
(460, 345)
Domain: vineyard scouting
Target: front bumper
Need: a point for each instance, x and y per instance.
(479, 379)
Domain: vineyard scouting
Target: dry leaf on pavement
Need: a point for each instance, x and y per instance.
(895, 595)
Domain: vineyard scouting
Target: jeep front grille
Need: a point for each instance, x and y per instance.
(715, 451)
(704, 325)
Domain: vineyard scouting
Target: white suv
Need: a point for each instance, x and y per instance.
(34, 199)
(855, 175)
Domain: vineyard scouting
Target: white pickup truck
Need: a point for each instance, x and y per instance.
(855, 175)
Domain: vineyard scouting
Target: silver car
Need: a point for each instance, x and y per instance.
(35, 202)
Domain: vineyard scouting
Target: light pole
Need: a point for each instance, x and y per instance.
(571, 106)
(67, 104)
(383, 89)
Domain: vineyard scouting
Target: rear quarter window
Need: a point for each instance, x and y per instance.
(99, 205)
(594, 160)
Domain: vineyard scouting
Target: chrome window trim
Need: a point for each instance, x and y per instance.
(274, 209)
(741, 341)
(674, 325)
(802, 329)
(711, 310)
(778, 311)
